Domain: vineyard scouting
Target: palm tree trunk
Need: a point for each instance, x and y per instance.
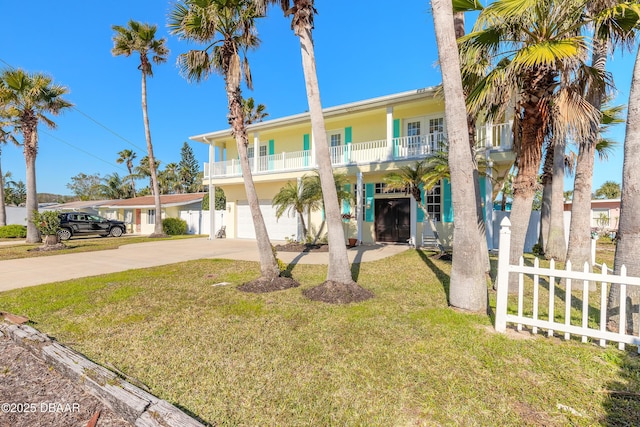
(579, 249)
(556, 246)
(468, 288)
(157, 230)
(338, 269)
(545, 208)
(628, 247)
(30, 152)
(268, 265)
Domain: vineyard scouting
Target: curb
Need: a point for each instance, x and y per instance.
(135, 405)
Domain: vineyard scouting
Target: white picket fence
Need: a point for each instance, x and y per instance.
(561, 279)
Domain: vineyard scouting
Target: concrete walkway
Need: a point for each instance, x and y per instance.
(23, 272)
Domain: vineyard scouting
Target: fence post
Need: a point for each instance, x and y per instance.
(502, 282)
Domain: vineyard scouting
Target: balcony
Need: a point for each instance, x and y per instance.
(493, 137)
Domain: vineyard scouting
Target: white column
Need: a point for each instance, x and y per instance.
(414, 221)
(502, 282)
(359, 205)
(389, 133)
(256, 151)
(488, 202)
(212, 196)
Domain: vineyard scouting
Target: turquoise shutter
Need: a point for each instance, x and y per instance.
(270, 153)
(346, 204)
(419, 211)
(447, 207)
(369, 212)
(305, 146)
(483, 194)
(396, 134)
(347, 135)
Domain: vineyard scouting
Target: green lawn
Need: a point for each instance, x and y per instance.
(75, 245)
(402, 358)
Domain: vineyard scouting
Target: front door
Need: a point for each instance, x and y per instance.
(138, 220)
(393, 220)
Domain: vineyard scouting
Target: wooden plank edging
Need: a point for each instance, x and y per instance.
(135, 405)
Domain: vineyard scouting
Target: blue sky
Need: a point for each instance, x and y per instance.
(364, 49)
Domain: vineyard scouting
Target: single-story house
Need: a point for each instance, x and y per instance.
(139, 212)
(605, 214)
(368, 139)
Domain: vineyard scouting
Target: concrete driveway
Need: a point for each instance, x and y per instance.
(20, 273)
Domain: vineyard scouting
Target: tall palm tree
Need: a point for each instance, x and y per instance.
(607, 34)
(468, 286)
(628, 246)
(127, 157)
(140, 38)
(227, 29)
(253, 113)
(302, 14)
(5, 137)
(29, 97)
(532, 43)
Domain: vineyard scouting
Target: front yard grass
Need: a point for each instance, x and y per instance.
(76, 245)
(403, 358)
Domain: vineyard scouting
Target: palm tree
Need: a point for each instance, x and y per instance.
(412, 179)
(253, 113)
(233, 22)
(290, 199)
(169, 179)
(29, 96)
(143, 171)
(5, 137)
(141, 38)
(127, 157)
(302, 14)
(114, 187)
(628, 236)
(607, 34)
(533, 43)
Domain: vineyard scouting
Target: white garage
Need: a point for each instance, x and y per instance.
(278, 229)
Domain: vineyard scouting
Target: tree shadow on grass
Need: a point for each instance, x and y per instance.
(443, 277)
(622, 402)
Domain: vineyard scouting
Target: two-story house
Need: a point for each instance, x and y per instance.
(367, 139)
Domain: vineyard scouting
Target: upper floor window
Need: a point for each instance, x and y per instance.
(251, 151)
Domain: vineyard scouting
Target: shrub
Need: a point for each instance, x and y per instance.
(46, 222)
(174, 226)
(13, 231)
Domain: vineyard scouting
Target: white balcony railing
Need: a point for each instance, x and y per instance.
(406, 147)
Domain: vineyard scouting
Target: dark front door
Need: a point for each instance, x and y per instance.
(393, 220)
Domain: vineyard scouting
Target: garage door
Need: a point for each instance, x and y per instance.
(278, 229)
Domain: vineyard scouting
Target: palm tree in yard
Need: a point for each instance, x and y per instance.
(127, 157)
(533, 43)
(468, 287)
(140, 38)
(628, 237)
(339, 277)
(226, 27)
(253, 113)
(608, 32)
(413, 179)
(28, 97)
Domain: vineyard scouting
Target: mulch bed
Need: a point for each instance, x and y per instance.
(338, 293)
(263, 285)
(32, 394)
(302, 247)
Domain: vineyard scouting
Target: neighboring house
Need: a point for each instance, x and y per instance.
(605, 214)
(368, 139)
(89, 206)
(139, 212)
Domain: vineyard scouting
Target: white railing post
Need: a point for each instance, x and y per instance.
(502, 282)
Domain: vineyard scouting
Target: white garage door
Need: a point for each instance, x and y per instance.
(279, 229)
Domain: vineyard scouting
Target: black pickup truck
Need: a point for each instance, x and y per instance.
(82, 223)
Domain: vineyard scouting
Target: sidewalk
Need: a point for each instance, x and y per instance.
(20, 273)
